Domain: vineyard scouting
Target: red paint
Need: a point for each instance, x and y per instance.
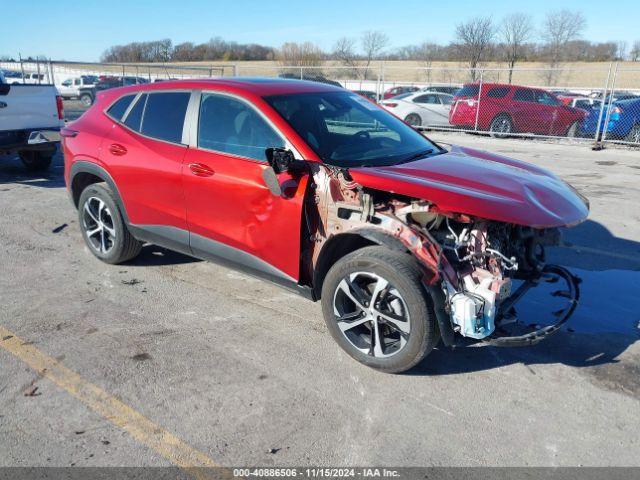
(482, 184)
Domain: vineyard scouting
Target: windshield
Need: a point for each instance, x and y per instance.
(346, 130)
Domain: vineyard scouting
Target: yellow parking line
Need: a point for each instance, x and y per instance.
(112, 409)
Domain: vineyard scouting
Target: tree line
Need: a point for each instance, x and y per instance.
(479, 40)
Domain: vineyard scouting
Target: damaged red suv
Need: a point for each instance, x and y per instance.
(406, 243)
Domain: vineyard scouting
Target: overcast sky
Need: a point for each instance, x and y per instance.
(82, 30)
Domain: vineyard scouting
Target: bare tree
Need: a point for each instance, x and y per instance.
(427, 52)
(344, 50)
(634, 53)
(515, 31)
(559, 29)
(474, 41)
(306, 55)
(621, 50)
(373, 43)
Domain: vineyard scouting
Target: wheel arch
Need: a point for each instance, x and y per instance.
(343, 244)
(83, 174)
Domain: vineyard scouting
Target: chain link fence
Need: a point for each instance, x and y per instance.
(594, 105)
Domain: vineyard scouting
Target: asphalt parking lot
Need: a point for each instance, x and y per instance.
(168, 358)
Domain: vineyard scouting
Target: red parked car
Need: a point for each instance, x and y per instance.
(392, 92)
(504, 109)
(318, 189)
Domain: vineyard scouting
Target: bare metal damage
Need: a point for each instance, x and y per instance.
(468, 263)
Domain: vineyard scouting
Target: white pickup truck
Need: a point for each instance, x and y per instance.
(30, 120)
(70, 88)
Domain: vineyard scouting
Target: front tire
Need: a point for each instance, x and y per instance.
(501, 126)
(36, 160)
(377, 309)
(103, 228)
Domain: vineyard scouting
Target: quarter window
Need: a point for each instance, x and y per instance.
(116, 111)
(164, 115)
(134, 117)
(231, 126)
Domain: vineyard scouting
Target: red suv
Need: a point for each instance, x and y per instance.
(317, 189)
(503, 109)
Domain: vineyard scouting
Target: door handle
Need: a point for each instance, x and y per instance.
(117, 149)
(200, 170)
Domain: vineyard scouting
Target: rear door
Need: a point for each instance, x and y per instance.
(432, 110)
(144, 153)
(528, 115)
(232, 215)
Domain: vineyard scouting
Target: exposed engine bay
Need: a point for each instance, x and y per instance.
(471, 265)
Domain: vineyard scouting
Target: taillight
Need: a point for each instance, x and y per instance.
(68, 132)
(391, 105)
(59, 107)
(471, 101)
(615, 113)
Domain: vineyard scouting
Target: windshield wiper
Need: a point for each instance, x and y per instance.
(417, 156)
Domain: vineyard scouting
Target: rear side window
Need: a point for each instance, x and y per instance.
(498, 92)
(430, 98)
(164, 115)
(134, 117)
(116, 111)
(523, 95)
(468, 91)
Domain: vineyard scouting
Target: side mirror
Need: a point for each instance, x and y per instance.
(280, 159)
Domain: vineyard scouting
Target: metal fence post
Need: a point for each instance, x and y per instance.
(478, 107)
(235, 70)
(21, 66)
(596, 141)
(606, 118)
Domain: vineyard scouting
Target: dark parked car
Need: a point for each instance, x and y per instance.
(313, 187)
(368, 94)
(87, 95)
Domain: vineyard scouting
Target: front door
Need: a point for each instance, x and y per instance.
(231, 213)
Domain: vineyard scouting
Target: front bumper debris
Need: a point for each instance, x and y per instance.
(506, 315)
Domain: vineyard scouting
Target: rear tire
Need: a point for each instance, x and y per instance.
(574, 130)
(86, 99)
(103, 227)
(392, 327)
(634, 134)
(414, 120)
(36, 160)
(501, 126)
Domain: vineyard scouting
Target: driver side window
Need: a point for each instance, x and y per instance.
(229, 125)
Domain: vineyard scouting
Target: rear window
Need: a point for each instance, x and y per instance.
(164, 115)
(524, 95)
(498, 92)
(116, 111)
(134, 117)
(468, 91)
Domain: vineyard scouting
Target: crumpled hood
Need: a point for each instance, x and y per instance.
(482, 184)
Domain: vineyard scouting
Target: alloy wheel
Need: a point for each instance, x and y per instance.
(371, 314)
(501, 125)
(98, 225)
